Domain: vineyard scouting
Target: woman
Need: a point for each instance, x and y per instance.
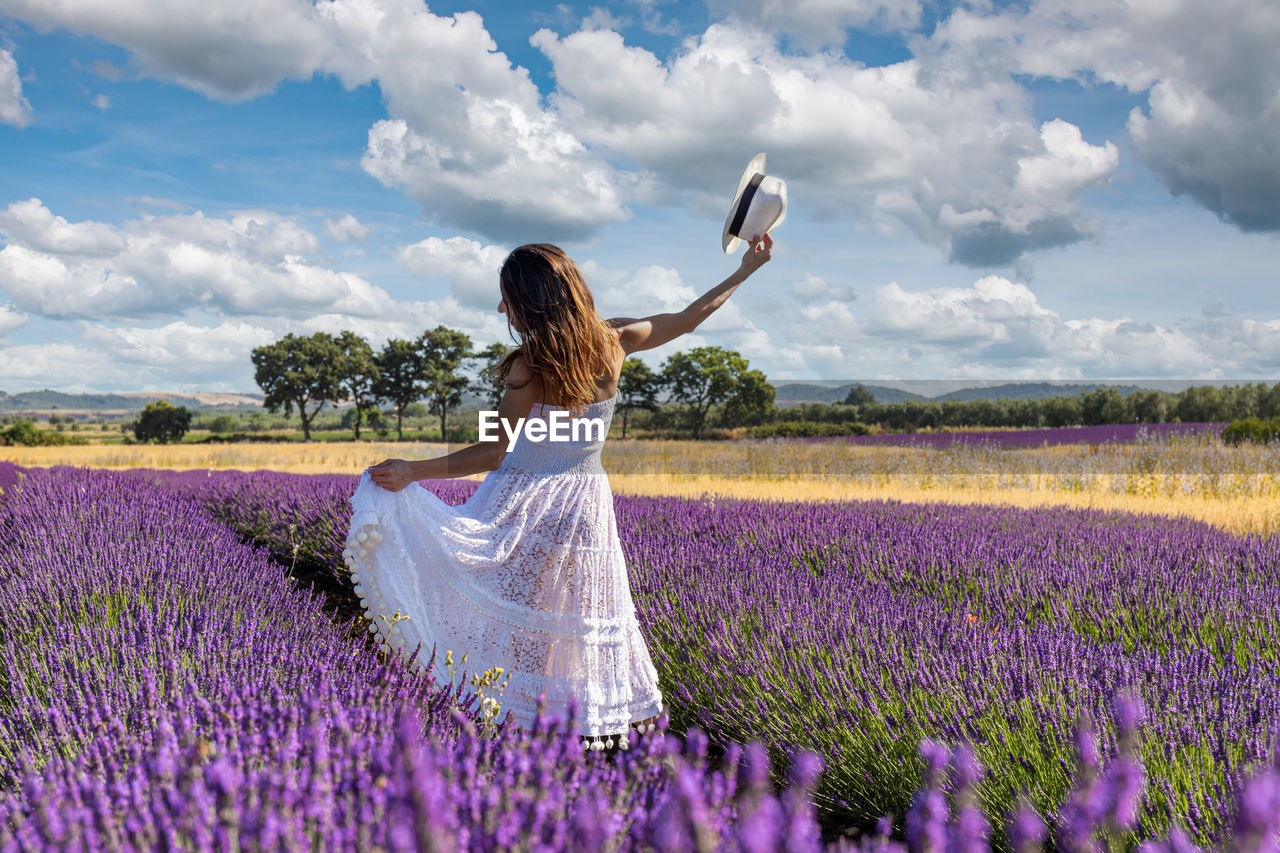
(528, 574)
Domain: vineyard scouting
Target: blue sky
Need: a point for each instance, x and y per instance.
(985, 191)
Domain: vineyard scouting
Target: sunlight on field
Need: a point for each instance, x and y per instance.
(1236, 488)
(294, 458)
(1237, 515)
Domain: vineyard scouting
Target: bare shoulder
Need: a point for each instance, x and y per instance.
(629, 332)
(520, 377)
(519, 374)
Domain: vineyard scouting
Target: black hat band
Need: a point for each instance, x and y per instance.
(744, 204)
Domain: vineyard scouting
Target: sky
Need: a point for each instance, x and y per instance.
(1050, 189)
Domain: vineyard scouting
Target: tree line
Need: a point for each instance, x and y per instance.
(441, 366)
(1198, 403)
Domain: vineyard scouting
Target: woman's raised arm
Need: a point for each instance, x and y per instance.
(649, 332)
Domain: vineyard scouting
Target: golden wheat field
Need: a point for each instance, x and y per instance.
(1236, 488)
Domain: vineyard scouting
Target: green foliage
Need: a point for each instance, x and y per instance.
(1200, 403)
(859, 396)
(25, 434)
(708, 376)
(371, 418)
(301, 372)
(401, 378)
(486, 360)
(221, 424)
(162, 422)
(1255, 430)
(443, 352)
(638, 388)
(358, 376)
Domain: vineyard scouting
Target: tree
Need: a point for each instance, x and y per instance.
(443, 351)
(859, 395)
(400, 377)
(222, 424)
(1269, 405)
(638, 387)
(1103, 406)
(1200, 403)
(358, 374)
(752, 394)
(163, 422)
(299, 372)
(487, 359)
(1061, 411)
(1150, 407)
(707, 376)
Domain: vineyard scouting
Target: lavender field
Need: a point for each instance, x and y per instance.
(182, 665)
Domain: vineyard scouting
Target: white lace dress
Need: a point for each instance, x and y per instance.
(528, 574)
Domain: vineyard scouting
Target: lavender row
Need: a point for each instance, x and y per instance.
(301, 519)
(163, 685)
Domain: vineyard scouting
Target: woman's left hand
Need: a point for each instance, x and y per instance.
(392, 474)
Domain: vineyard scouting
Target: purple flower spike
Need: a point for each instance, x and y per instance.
(755, 766)
(1258, 814)
(927, 822)
(1128, 712)
(1126, 780)
(1086, 744)
(806, 767)
(1027, 831)
(760, 831)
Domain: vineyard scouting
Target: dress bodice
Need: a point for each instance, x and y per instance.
(578, 454)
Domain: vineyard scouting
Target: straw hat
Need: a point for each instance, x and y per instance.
(759, 205)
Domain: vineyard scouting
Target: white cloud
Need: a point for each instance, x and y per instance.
(953, 154)
(814, 288)
(206, 351)
(472, 267)
(31, 224)
(348, 229)
(997, 328)
(11, 318)
(14, 108)
(252, 262)
(466, 136)
(1211, 72)
(101, 101)
(654, 289)
(231, 50)
(179, 344)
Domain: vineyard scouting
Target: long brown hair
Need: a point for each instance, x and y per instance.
(564, 340)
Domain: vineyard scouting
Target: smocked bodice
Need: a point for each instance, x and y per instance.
(547, 457)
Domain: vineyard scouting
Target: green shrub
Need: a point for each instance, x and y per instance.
(163, 422)
(1252, 429)
(26, 434)
(221, 424)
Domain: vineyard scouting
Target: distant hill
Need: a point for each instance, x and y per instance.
(791, 391)
(787, 393)
(48, 400)
(1028, 391)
